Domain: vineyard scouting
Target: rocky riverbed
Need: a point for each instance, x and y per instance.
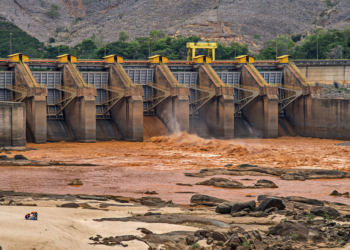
(178, 192)
(208, 223)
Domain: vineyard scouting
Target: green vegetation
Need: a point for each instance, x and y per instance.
(54, 11)
(309, 218)
(195, 246)
(324, 44)
(21, 41)
(246, 244)
(327, 217)
(294, 236)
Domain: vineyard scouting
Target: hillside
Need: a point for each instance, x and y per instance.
(252, 22)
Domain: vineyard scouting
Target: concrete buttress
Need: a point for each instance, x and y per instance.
(13, 124)
(174, 109)
(218, 112)
(262, 112)
(36, 105)
(80, 113)
(127, 113)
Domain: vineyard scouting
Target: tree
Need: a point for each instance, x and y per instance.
(335, 53)
(268, 53)
(123, 36)
(285, 45)
(54, 11)
(155, 35)
(85, 49)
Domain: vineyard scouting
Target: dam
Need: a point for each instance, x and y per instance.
(115, 99)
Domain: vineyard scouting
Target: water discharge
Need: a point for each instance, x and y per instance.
(129, 168)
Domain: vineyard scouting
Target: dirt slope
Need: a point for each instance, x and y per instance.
(253, 21)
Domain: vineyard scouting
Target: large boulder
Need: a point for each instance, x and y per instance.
(326, 174)
(240, 206)
(76, 182)
(305, 200)
(265, 184)
(239, 214)
(206, 200)
(324, 211)
(221, 182)
(271, 202)
(293, 176)
(20, 157)
(225, 207)
(298, 230)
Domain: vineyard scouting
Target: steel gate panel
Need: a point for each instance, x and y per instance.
(98, 80)
(231, 78)
(51, 79)
(6, 78)
(48, 78)
(140, 76)
(187, 78)
(193, 95)
(274, 77)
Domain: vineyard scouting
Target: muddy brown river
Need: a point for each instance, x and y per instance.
(130, 169)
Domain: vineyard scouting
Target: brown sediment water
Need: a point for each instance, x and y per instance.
(153, 126)
(129, 168)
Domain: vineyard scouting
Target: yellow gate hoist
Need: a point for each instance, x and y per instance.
(201, 45)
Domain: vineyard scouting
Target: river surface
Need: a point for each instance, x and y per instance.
(130, 169)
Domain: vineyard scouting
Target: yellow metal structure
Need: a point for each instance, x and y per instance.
(283, 59)
(114, 59)
(245, 59)
(192, 47)
(15, 58)
(67, 58)
(158, 59)
(201, 59)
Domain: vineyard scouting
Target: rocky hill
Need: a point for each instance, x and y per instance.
(246, 21)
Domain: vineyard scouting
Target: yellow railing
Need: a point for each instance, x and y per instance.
(248, 87)
(124, 75)
(257, 74)
(289, 87)
(213, 73)
(68, 89)
(302, 76)
(78, 75)
(29, 74)
(170, 75)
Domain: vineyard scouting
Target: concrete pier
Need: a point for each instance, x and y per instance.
(80, 113)
(262, 112)
(315, 117)
(174, 109)
(13, 124)
(127, 113)
(218, 112)
(36, 105)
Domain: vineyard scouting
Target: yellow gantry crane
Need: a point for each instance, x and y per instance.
(201, 45)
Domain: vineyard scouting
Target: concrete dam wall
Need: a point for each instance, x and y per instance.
(83, 101)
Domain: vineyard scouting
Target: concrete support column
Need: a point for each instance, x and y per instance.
(13, 124)
(180, 112)
(174, 110)
(80, 115)
(127, 114)
(226, 117)
(262, 113)
(36, 110)
(218, 115)
(301, 113)
(36, 106)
